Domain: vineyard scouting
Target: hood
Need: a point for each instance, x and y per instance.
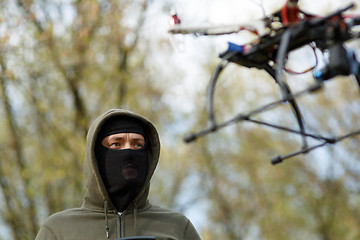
(96, 194)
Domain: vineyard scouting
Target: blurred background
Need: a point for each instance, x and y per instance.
(64, 62)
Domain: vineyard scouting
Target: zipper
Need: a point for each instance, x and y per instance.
(120, 218)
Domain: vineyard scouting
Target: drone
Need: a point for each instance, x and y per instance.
(284, 31)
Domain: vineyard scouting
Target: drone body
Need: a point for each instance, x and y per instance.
(286, 30)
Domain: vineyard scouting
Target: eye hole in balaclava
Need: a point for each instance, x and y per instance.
(122, 171)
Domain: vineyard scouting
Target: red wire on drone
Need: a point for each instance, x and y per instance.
(290, 13)
(254, 31)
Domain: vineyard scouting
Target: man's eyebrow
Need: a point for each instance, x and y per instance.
(138, 138)
(118, 137)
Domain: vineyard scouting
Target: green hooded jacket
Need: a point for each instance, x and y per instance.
(97, 218)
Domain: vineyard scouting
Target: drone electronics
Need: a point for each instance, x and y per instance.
(293, 30)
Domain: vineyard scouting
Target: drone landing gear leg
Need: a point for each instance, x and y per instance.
(271, 71)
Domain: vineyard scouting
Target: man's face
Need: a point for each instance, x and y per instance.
(121, 141)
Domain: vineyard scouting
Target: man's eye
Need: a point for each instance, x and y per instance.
(115, 145)
(138, 145)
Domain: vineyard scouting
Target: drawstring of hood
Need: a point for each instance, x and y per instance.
(107, 228)
(135, 216)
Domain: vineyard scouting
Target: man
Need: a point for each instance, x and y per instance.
(122, 152)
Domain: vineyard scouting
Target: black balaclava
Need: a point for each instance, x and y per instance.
(113, 163)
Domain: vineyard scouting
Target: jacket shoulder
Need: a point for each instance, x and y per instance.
(164, 219)
(70, 224)
(64, 215)
(165, 213)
